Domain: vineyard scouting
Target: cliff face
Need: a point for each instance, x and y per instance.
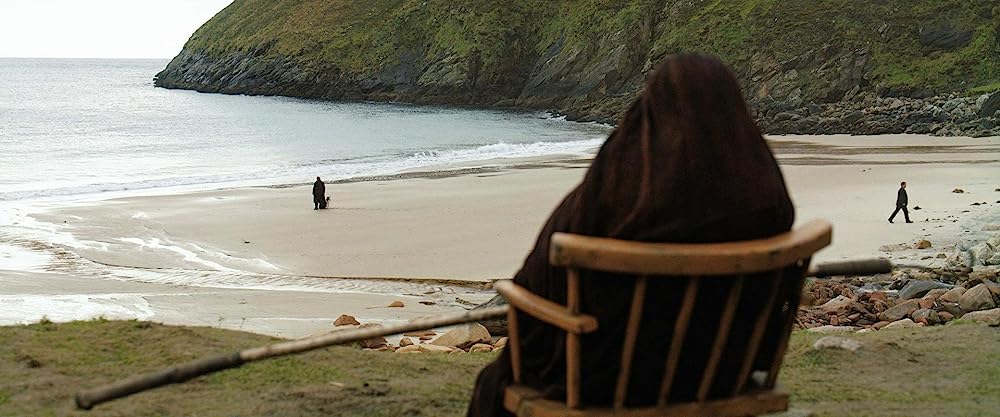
(806, 67)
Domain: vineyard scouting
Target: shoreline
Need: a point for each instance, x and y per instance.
(461, 227)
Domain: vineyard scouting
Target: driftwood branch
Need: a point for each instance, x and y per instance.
(184, 372)
(858, 267)
(180, 373)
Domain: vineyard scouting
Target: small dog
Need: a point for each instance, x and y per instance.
(325, 203)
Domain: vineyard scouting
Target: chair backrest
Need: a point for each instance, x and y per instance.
(766, 260)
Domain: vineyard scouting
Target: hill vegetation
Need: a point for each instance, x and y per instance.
(588, 58)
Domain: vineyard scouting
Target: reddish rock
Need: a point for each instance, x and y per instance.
(405, 342)
(878, 295)
(375, 342)
(880, 324)
(945, 316)
(345, 320)
(925, 303)
(396, 303)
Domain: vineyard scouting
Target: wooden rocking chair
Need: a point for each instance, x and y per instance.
(754, 392)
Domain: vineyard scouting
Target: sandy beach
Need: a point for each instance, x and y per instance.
(260, 259)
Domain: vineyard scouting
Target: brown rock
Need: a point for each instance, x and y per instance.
(345, 320)
(925, 303)
(977, 298)
(958, 191)
(405, 342)
(935, 293)
(420, 333)
(396, 303)
(481, 347)
(945, 316)
(500, 343)
(899, 311)
(426, 337)
(878, 295)
(375, 342)
(409, 349)
(431, 348)
(953, 295)
(880, 325)
(464, 336)
(989, 317)
(922, 244)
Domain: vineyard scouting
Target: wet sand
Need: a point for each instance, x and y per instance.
(264, 253)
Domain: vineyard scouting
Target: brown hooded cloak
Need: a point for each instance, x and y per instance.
(686, 164)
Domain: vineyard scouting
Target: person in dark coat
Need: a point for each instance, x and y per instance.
(319, 194)
(686, 164)
(901, 202)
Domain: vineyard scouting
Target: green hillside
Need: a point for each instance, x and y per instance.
(588, 57)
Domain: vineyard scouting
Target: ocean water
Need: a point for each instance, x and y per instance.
(82, 128)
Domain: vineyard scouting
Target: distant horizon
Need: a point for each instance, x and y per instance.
(101, 29)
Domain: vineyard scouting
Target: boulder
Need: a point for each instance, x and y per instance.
(922, 244)
(837, 303)
(935, 293)
(902, 324)
(899, 311)
(990, 105)
(925, 303)
(926, 316)
(878, 295)
(408, 349)
(880, 325)
(832, 329)
(481, 347)
(989, 317)
(432, 348)
(952, 308)
(464, 336)
(945, 316)
(420, 333)
(345, 320)
(405, 342)
(375, 342)
(953, 295)
(977, 298)
(396, 303)
(500, 343)
(919, 288)
(836, 342)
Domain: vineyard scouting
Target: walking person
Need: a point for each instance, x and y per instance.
(901, 201)
(319, 194)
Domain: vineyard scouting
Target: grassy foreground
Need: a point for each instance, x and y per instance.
(945, 370)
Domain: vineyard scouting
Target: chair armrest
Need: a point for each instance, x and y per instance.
(545, 310)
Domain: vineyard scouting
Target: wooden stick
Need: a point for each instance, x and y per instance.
(180, 373)
(858, 267)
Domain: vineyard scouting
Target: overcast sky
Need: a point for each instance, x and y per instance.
(100, 28)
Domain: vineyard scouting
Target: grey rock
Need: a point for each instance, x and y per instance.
(990, 105)
(902, 324)
(916, 289)
(836, 342)
(945, 37)
(832, 329)
(926, 316)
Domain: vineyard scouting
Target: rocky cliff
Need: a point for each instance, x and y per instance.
(837, 66)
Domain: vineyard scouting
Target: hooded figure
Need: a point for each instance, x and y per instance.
(686, 164)
(319, 194)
